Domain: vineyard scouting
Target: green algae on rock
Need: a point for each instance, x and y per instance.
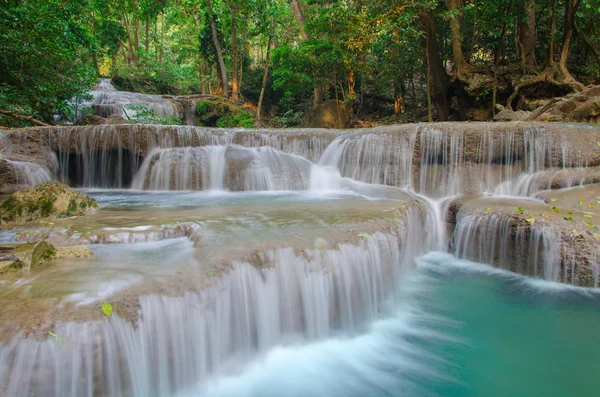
(46, 201)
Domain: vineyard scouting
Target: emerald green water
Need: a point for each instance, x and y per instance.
(521, 338)
(456, 329)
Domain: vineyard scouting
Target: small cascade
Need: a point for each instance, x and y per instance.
(108, 101)
(442, 156)
(310, 144)
(223, 167)
(375, 157)
(109, 156)
(29, 174)
(496, 240)
(182, 340)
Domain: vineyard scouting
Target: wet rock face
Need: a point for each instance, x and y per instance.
(558, 241)
(45, 201)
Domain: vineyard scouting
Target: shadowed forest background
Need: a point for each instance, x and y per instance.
(382, 61)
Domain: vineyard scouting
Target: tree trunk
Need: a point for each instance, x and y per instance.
(462, 67)
(221, 72)
(571, 7)
(527, 33)
(136, 35)
(23, 117)
(234, 50)
(264, 82)
(301, 22)
(437, 75)
(300, 19)
(147, 35)
(162, 36)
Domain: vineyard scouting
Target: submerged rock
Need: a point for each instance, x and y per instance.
(45, 201)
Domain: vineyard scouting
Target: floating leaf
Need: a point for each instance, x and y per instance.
(107, 308)
(588, 216)
(568, 218)
(580, 202)
(87, 233)
(590, 225)
(364, 235)
(520, 210)
(531, 220)
(553, 200)
(489, 208)
(555, 209)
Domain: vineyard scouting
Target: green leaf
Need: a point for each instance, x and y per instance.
(590, 225)
(553, 200)
(364, 235)
(568, 218)
(531, 220)
(520, 210)
(588, 216)
(555, 209)
(107, 308)
(580, 202)
(210, 274)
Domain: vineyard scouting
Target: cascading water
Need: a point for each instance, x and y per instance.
(263, 288)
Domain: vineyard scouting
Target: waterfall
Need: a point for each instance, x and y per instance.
(179, 340)
(496, 240)
(217, 167)
(29, 174)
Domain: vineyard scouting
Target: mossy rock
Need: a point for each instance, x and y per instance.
(28, 255)
(46, 201)
(223, 113)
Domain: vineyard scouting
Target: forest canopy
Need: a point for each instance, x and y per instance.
(403, 60)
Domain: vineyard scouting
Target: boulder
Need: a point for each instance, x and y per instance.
(330, 114)
(116, 119)
(580, 107)
(511, 115)
(30, 255)
(46, 201)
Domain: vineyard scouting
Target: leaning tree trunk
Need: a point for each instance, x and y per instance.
(264, 82)
(462, 68)
(437, 76)
(222, 74)
(301, 22)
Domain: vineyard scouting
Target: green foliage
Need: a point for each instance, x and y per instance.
(45, 55)
(239, 120)
(143, 115)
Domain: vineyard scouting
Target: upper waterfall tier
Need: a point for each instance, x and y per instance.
(438, 159)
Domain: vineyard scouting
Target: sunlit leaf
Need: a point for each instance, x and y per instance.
(364, 235)
(590, 225)
(531, 220)
(107, 308)
(520, 210)
(568, 218)
(555, 209)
